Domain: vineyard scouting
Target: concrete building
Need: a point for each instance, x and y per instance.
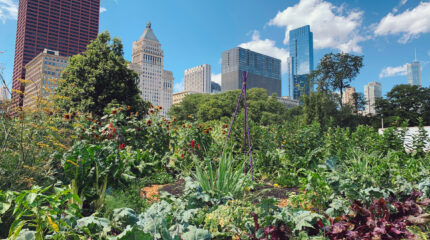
(349, 98)
(215, 87)
(414, 73)
(198, 79)
(155, 84)
(372, 91)
(263, 71)
(302, 60)
(42, 77)
(66, 26)
(289, 102)
(178, 97)
(4, 93)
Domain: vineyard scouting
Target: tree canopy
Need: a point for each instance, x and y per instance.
(405, 103)
(98, 77)
(205, 107)
(335, 72)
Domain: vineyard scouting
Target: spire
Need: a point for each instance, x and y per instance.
(149, 34)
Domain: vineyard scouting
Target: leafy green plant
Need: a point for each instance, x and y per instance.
(227, 180)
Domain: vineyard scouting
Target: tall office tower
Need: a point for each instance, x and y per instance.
(66, 26)
(302, 53)
(167, 92)
(372, 91)
(414, 73)
(198, 79)
(156, 85)
(349, 98)
(263, 71)
(42, 78)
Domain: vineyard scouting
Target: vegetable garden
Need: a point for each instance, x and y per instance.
(80, 177)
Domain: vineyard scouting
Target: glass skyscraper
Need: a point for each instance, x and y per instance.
(302, 59)
(263, 71)
(414, 73)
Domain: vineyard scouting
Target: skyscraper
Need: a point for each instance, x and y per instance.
(155, 84)
(349, 98)
(414, 73)
(66, 26)
(372, 91)
(302, 59)
(198, 79)
(263, 71)
(215, 87)
(42, 76)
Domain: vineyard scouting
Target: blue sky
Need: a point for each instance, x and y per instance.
(195, 32)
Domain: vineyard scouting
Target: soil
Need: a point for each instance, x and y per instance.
(177, 189)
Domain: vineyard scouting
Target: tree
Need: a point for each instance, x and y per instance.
(262, 108)
(98, 77)
(405, 103)
(336, 72)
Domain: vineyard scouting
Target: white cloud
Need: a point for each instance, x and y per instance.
(102, 9)
(401, 3)
(8, 10)
(333, 26)
(410, 23)
(216, 78)
(267, 47)
(178, 87)
(394, 71)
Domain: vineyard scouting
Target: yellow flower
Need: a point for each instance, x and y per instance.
(276, 185)
(53, 224)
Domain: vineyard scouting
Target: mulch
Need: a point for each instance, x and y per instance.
(177, 189)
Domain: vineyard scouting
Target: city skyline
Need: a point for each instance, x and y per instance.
(64, 26)
(387, 49)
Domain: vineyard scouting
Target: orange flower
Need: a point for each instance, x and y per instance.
(149, 122)
(67, 116)
(128, 108)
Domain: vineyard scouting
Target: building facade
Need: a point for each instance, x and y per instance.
(4, 93)
(349, 98)
(198, 79)
(263, 71)
(372, 91)
(178, 97)
(302, 60)
(42, 78)
(155, 84)
(215, 87)
(66, 26)
(414, 73)
(288, 102)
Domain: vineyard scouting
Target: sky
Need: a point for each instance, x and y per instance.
(196, 32)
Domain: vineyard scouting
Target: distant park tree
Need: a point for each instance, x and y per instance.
(99, 77)
(262, 108)
(335, 72)
(405, 103)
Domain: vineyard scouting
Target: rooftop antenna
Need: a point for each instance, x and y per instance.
(415, 54)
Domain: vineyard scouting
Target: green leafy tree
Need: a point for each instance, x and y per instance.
(405, 103)
(97, 77)
(336, 72)
(262, 108)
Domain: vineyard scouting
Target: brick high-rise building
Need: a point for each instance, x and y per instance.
(66, 26)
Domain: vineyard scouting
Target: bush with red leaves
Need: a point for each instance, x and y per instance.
(378, 222)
